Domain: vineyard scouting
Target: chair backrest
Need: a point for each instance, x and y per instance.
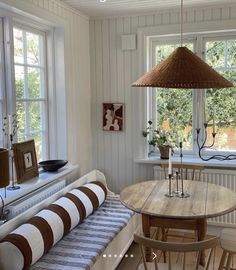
(171, 247)
(190, 171)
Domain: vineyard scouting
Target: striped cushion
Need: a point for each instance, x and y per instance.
(80, 248)
(30, 241)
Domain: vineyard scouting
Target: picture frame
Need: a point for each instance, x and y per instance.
(26, 164)
(113, 116)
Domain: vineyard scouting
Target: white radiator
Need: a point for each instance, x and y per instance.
(33, 198)
(226, 178)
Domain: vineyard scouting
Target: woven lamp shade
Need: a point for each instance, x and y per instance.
(182, 69)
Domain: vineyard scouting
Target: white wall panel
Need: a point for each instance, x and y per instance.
(77, 71)
(114, 152)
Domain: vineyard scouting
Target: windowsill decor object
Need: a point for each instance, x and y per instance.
(4, 169)
(202, 146)
(9, 129)
(25, 160)
(52, 165)
(159, 138)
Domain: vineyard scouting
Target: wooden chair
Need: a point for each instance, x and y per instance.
(190, 172)
(172, 247)
(228, 244)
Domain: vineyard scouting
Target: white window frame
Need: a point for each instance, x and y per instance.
(44, 129)
(198, 95)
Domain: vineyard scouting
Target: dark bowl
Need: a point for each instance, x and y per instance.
(52, 165)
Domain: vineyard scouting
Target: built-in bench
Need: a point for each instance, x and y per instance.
(93, 240)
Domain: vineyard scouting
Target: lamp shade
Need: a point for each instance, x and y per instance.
(182, 69)
(4, 168)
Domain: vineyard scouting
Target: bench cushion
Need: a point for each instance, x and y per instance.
(30, 241)
(80, 248)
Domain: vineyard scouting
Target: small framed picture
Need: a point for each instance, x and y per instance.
(25, 160)
(113, 116)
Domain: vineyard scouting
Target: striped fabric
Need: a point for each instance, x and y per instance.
(80, 248)
(33, 239)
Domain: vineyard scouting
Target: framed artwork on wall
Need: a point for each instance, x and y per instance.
(25, 160)
(113, 116)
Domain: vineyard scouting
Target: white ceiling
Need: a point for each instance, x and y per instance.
(121, 7)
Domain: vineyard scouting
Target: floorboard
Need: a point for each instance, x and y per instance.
(132, 258)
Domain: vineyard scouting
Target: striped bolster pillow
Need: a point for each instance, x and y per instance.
(30, 241)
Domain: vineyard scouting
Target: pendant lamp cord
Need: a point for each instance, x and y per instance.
(181, 24)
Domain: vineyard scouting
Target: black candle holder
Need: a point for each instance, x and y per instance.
(6, 130)
(170, 193)
(181, 193)
(203, 146)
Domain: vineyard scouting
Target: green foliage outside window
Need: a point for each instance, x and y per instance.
(28, 86)
(174, 106)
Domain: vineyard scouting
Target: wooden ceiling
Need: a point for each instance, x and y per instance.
(122, 7)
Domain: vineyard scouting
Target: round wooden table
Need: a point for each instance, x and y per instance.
(206, 200)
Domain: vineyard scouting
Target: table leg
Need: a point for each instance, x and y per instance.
(146, 232)
(201, 233)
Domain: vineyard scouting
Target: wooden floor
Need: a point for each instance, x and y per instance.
(132, 259)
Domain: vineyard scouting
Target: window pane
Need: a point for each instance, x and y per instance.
(215, 53)
(34, 116)
(164, 50)
(223, 103)
(231, 59)
(174, 106)
(33, 82)
(32, 48)
(18, 46)
(19, 81)
(175, 113)
(20, 110)
(30, 87)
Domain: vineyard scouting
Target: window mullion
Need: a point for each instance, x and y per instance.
(9, 64)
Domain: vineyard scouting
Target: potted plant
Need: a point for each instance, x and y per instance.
(160, 138)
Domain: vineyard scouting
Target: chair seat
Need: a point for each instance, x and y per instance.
(228, 240)
(164, 266)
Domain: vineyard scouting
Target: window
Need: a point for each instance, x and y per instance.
(220, 53)
(30, 87)
(25, 93)
(182, 111)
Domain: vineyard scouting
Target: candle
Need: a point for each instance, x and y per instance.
(170, 163)
(214, 124)
(10, 124)
(197, 114)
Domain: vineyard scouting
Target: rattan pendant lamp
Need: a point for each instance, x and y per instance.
(182, 69)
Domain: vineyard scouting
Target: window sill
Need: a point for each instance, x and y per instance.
(226, 164)
(31, 185)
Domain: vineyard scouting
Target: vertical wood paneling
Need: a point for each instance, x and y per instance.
(158, 19)
(225, 13)
(106, 90)
(127, 96)
(119, 90)
(113, 89)
(99, 95)
(133, 104)
(116, 151)
(94, 93)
